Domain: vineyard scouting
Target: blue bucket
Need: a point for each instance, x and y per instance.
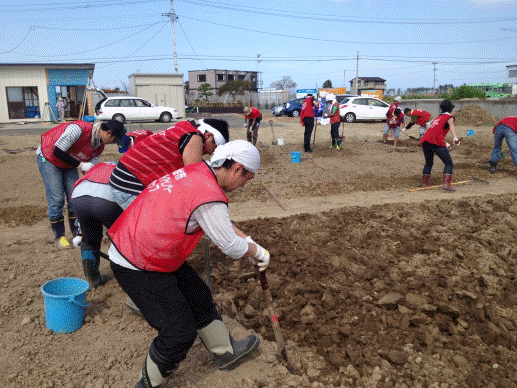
(470, 132)
(65, 302)
(296, 157)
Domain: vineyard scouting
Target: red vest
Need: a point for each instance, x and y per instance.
(510, 121)
(397, 122)
(391, 109)
(81, 150)
(100, 173)
(423, 116)
(139, 135)
(253, 114)
(307, 109)
(336, 117)
(150, 233)
(157, 155)
(437, 131)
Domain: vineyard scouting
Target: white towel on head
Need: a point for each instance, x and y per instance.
(241, 151)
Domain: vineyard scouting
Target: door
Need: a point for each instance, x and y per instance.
(361, 109)
(128, 108)
(146, 110)
(378, 109)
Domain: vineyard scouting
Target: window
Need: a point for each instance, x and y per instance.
(377, 103)
(201, 78)
(127, 103)
(241, 77)
(512, 73)
(112, 103)
(220, 77)
(231, 77)
(22, 102)
(360, 101)
(142, 103)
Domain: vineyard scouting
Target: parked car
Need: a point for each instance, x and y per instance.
(125, 108)
(279, 110)
(294, 107)
(362, 108)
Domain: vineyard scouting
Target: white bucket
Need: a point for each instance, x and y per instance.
(280, 142)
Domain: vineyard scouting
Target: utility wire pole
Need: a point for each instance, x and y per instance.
(434, 76)
(173, 19)
(357, 73)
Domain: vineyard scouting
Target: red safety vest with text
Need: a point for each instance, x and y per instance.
(151, 232)
(100, 173)
(437, 130)
(81, 150)
(423, 116)
(158, 154)
(307, 109)
(391, 109)
(510, 121)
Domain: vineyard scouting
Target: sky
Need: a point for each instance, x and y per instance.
(409, 43)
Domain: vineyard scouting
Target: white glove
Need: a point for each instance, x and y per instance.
(261, 259)
(456, 141)
(86, 166)
(77, 241)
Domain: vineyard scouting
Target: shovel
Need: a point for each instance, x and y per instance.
(274, 141)
(471, 180)
(282, 353)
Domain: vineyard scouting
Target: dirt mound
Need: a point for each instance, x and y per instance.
(473, 114)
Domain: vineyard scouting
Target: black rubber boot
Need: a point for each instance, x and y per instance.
(58, 227)
(155, 373)
(73, 222)
(492, 168)
(91, 261)
(228, 353)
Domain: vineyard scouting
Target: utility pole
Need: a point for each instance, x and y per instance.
(434, 76)
(357, 73)
(173, 19)
(344, 78)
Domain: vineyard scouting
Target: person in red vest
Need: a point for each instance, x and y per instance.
(160, 154)
(252, 119)
(393, 124)
(420, 117)
(335, 121)
(394, 105)
(504, 129)
(151, 241)
(95, 209)
(63, 149)
(433, 142)
(307, 120)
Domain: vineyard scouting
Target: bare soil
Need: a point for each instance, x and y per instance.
(374, 285)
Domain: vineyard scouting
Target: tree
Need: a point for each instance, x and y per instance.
(186, 86)
(286, 83)
(205, 90)
(235, 87)
(327, 84)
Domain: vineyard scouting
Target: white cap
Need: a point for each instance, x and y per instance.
(398, 98)
(330, 97)
(241, 151)
(204, 127)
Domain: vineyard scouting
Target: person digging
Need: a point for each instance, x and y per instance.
(154, 273)
(433, 142)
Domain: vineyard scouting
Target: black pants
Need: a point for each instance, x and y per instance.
(308, 122)
(252, 132)
(93, 214)
(334, 131)
(442, 152)
(175, 304)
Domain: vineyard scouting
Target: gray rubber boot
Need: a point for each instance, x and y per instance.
(151, 376)
(228, 353)
(91, 262)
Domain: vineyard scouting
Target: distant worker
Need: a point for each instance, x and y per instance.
(420, 117)
(307, 120)
(395, 121)
(252, 118)
(504, 129)
(394, 105)
(63, 149)
(335, 120)
(60, 105)
(433, 142)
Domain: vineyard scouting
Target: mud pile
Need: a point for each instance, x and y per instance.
(473, 114)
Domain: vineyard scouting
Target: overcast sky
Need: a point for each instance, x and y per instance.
(406, 42)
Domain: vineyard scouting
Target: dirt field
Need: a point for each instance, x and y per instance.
(374, 285)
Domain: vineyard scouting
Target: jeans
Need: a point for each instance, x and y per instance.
(59, 184)
(122, 198)
(396, 131)
(442, 152)
(504, 132)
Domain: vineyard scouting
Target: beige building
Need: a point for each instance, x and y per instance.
(367, 83)
(159, 89)
(217, 78)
